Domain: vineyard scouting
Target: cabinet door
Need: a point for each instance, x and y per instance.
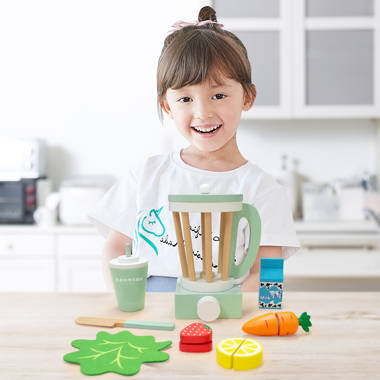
(246, 8)
(339, 67)
(80, 245)
(33, 274)
(80, 263)
(264, 29)
(264, 54)
(339, 8)
(336, 58)
(81, 275)
(333, 269)
(26, 244)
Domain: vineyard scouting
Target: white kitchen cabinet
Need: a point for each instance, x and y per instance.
(27, 242)
(79, 263)
(333, 269)
(337, 58)
(81, 275)
(310, 58)
(27, 262)
(50, 259)
(27, 274)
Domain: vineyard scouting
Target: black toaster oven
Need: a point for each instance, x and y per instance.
(18, 201)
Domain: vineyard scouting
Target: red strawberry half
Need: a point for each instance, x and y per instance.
(196, 333)
(204, 347)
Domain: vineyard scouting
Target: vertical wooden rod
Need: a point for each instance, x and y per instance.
(221, 241)
(226, 245)
(207, 256)
(203, 242)
(188, 245)
(181, 246)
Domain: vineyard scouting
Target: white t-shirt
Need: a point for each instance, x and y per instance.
(137, 206)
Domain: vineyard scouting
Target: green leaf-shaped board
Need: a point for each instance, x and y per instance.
(122, 353)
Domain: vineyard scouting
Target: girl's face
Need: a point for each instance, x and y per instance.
(207, 114)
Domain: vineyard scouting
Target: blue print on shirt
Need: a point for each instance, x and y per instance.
(149, 225)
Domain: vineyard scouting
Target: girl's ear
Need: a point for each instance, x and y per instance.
(249, 99)
(165, 106)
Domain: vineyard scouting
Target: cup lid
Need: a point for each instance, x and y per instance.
(127, 260)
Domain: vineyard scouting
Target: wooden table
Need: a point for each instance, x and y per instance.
(344, 343)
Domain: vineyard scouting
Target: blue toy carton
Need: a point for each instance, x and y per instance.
(271, 283)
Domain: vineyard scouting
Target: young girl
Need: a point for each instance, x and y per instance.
(203, 84)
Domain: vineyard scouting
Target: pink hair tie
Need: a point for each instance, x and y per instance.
(181, 24)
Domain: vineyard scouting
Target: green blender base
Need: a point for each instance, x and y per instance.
(230, 302)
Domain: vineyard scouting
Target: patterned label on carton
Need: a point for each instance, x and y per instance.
(270, 295)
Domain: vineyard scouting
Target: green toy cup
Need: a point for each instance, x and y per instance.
(129, 275)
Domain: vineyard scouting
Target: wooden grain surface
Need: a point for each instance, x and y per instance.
(344, 342)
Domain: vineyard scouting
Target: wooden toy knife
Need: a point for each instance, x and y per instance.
(113, 322)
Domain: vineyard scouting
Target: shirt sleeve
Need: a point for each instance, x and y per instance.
(277, 225)
(117, 209)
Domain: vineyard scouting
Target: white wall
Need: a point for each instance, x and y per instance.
(326, 149)
(81, 74)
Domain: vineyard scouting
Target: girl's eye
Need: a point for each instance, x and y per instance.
(185, 99)
(219, 96)
(152, 222)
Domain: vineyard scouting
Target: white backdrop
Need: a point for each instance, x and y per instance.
(81, 74)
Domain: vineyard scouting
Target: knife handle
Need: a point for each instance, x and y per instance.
(153, 325)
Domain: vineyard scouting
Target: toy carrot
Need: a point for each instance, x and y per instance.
(281, 323)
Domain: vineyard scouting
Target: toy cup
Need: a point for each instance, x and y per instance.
(129, 275)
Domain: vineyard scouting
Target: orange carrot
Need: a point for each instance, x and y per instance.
(281, 323)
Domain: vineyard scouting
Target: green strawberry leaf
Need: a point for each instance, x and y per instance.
(122, 353)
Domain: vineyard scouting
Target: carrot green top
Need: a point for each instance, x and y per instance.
(304, 321)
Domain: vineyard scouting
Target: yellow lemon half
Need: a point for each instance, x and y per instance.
(239, 353)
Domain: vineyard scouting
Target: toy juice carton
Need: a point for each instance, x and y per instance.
(271, 283)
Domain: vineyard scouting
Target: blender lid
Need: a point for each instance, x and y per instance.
(205, 202)
(205, 198)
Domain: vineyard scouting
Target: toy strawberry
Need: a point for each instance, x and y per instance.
(197, 337)
(196, 333)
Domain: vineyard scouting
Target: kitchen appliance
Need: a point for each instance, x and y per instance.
(320, 202)
(291, 178)
(208, 295)
(22, 158)
(78, 196)
(47, 213)
(22, 171)
(18, 201)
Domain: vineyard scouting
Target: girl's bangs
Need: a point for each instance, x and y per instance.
(208, 65)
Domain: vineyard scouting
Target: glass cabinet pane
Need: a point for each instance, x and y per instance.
(246, 8)
(339, 67)
(263, 53)
(339, 8)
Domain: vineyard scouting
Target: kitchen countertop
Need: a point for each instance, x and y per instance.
(37, 328)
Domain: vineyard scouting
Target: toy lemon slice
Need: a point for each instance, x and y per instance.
(239, 353)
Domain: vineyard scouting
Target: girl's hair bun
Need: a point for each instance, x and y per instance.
(207, 13)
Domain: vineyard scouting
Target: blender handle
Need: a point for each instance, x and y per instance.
(250, 213)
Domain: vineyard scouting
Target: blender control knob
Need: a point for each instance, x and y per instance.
(208, 308)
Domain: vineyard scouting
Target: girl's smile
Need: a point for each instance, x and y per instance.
(206, 130)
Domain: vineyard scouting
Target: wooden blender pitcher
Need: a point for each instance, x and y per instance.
(231, 209)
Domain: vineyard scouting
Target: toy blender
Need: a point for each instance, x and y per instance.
(209, 295)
